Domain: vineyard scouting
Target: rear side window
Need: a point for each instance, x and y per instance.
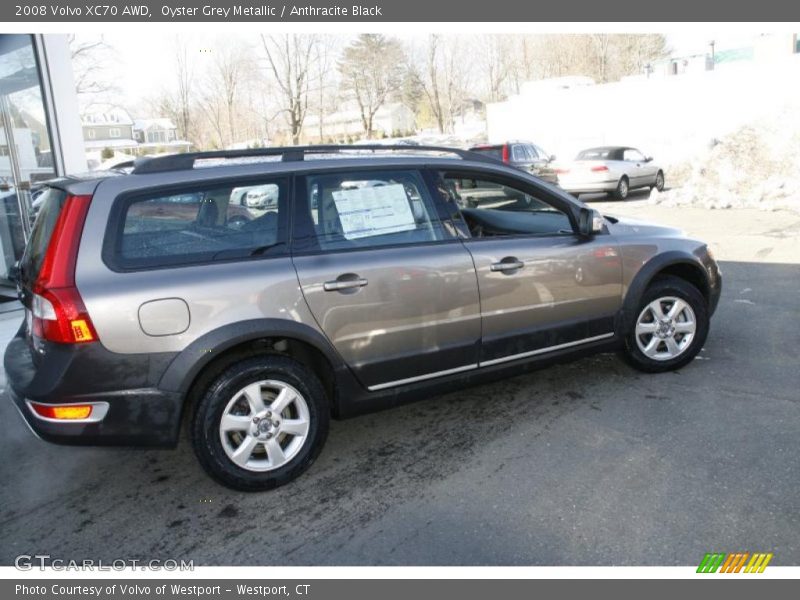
(519, 152)
(199, 225)
(352, 210)
(49, 205)
(495, 152)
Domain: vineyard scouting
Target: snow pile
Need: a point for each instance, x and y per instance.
(757, 166)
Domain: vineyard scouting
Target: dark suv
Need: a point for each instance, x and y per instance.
(525, 156)
(367, 282)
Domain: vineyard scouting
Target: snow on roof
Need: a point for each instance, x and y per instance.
(112, 116)
(156, 123)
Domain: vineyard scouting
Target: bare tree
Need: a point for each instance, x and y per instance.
(290, 58)
(372, 69)
(92, 59)
(430, 83)
(184, 79)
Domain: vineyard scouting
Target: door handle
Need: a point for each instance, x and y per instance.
(509, 263)
(337, 285)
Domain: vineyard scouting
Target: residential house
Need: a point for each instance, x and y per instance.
(112, 128)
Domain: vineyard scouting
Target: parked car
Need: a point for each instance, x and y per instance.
(522, 155)
(345, 299)
(261, 197)
(610, 169)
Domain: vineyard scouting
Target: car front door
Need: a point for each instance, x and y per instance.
(637, 168)
(387, 281)
(542, 286)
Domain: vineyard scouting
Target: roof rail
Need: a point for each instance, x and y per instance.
(181, 162)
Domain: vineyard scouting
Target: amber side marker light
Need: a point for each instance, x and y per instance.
(72, 412)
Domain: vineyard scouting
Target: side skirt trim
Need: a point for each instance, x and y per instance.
(497, 361)
(488, 363)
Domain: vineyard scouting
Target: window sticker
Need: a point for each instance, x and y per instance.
(368, 211)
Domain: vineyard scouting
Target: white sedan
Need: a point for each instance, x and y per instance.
(610, 169)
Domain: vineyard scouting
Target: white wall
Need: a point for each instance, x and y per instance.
(65, 117)
(669, 117)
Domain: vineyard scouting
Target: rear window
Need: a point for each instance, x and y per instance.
(202, 225)
(599, 154)
(495, 152)
(49, 205)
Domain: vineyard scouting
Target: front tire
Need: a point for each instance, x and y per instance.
(659, 182)
(669, 327)
(260, 423)
(623, 188)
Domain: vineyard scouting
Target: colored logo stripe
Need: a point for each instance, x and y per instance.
(758, 563)
(733, 562)
(710, 563)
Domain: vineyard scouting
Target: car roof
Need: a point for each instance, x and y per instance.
(300, 159)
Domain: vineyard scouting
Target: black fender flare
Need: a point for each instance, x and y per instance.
(646, 274)
(190, 361)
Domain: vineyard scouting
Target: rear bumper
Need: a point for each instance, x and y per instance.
(134, 418)
(138, 413)
(588, 187)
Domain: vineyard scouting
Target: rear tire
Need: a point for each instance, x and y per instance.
(261, 423)
(623, 188)
(668, 328)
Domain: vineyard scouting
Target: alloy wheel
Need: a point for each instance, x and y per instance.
(665, 328)
(264, 425)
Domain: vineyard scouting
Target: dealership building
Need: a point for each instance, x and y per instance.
(40, 133)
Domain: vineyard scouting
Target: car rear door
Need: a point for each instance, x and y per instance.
(542, 286)
(388, 283)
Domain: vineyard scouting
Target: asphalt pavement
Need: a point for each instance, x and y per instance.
(585, 463)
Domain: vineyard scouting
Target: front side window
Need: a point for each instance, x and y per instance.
(633, 155)
(352, 210)
(492, 208)
(202, 225)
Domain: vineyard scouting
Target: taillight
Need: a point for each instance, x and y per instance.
(58, 312)
(505, 153)
(599, 168)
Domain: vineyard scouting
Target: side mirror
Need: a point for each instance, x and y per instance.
(648, 159)
(552, 157)
(590, 222)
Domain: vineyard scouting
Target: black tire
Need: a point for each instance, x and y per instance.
(205, 424)
(623, 188)
(664, 287)
(659, 182)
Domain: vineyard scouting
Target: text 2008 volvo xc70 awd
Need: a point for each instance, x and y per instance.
(378, 275)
